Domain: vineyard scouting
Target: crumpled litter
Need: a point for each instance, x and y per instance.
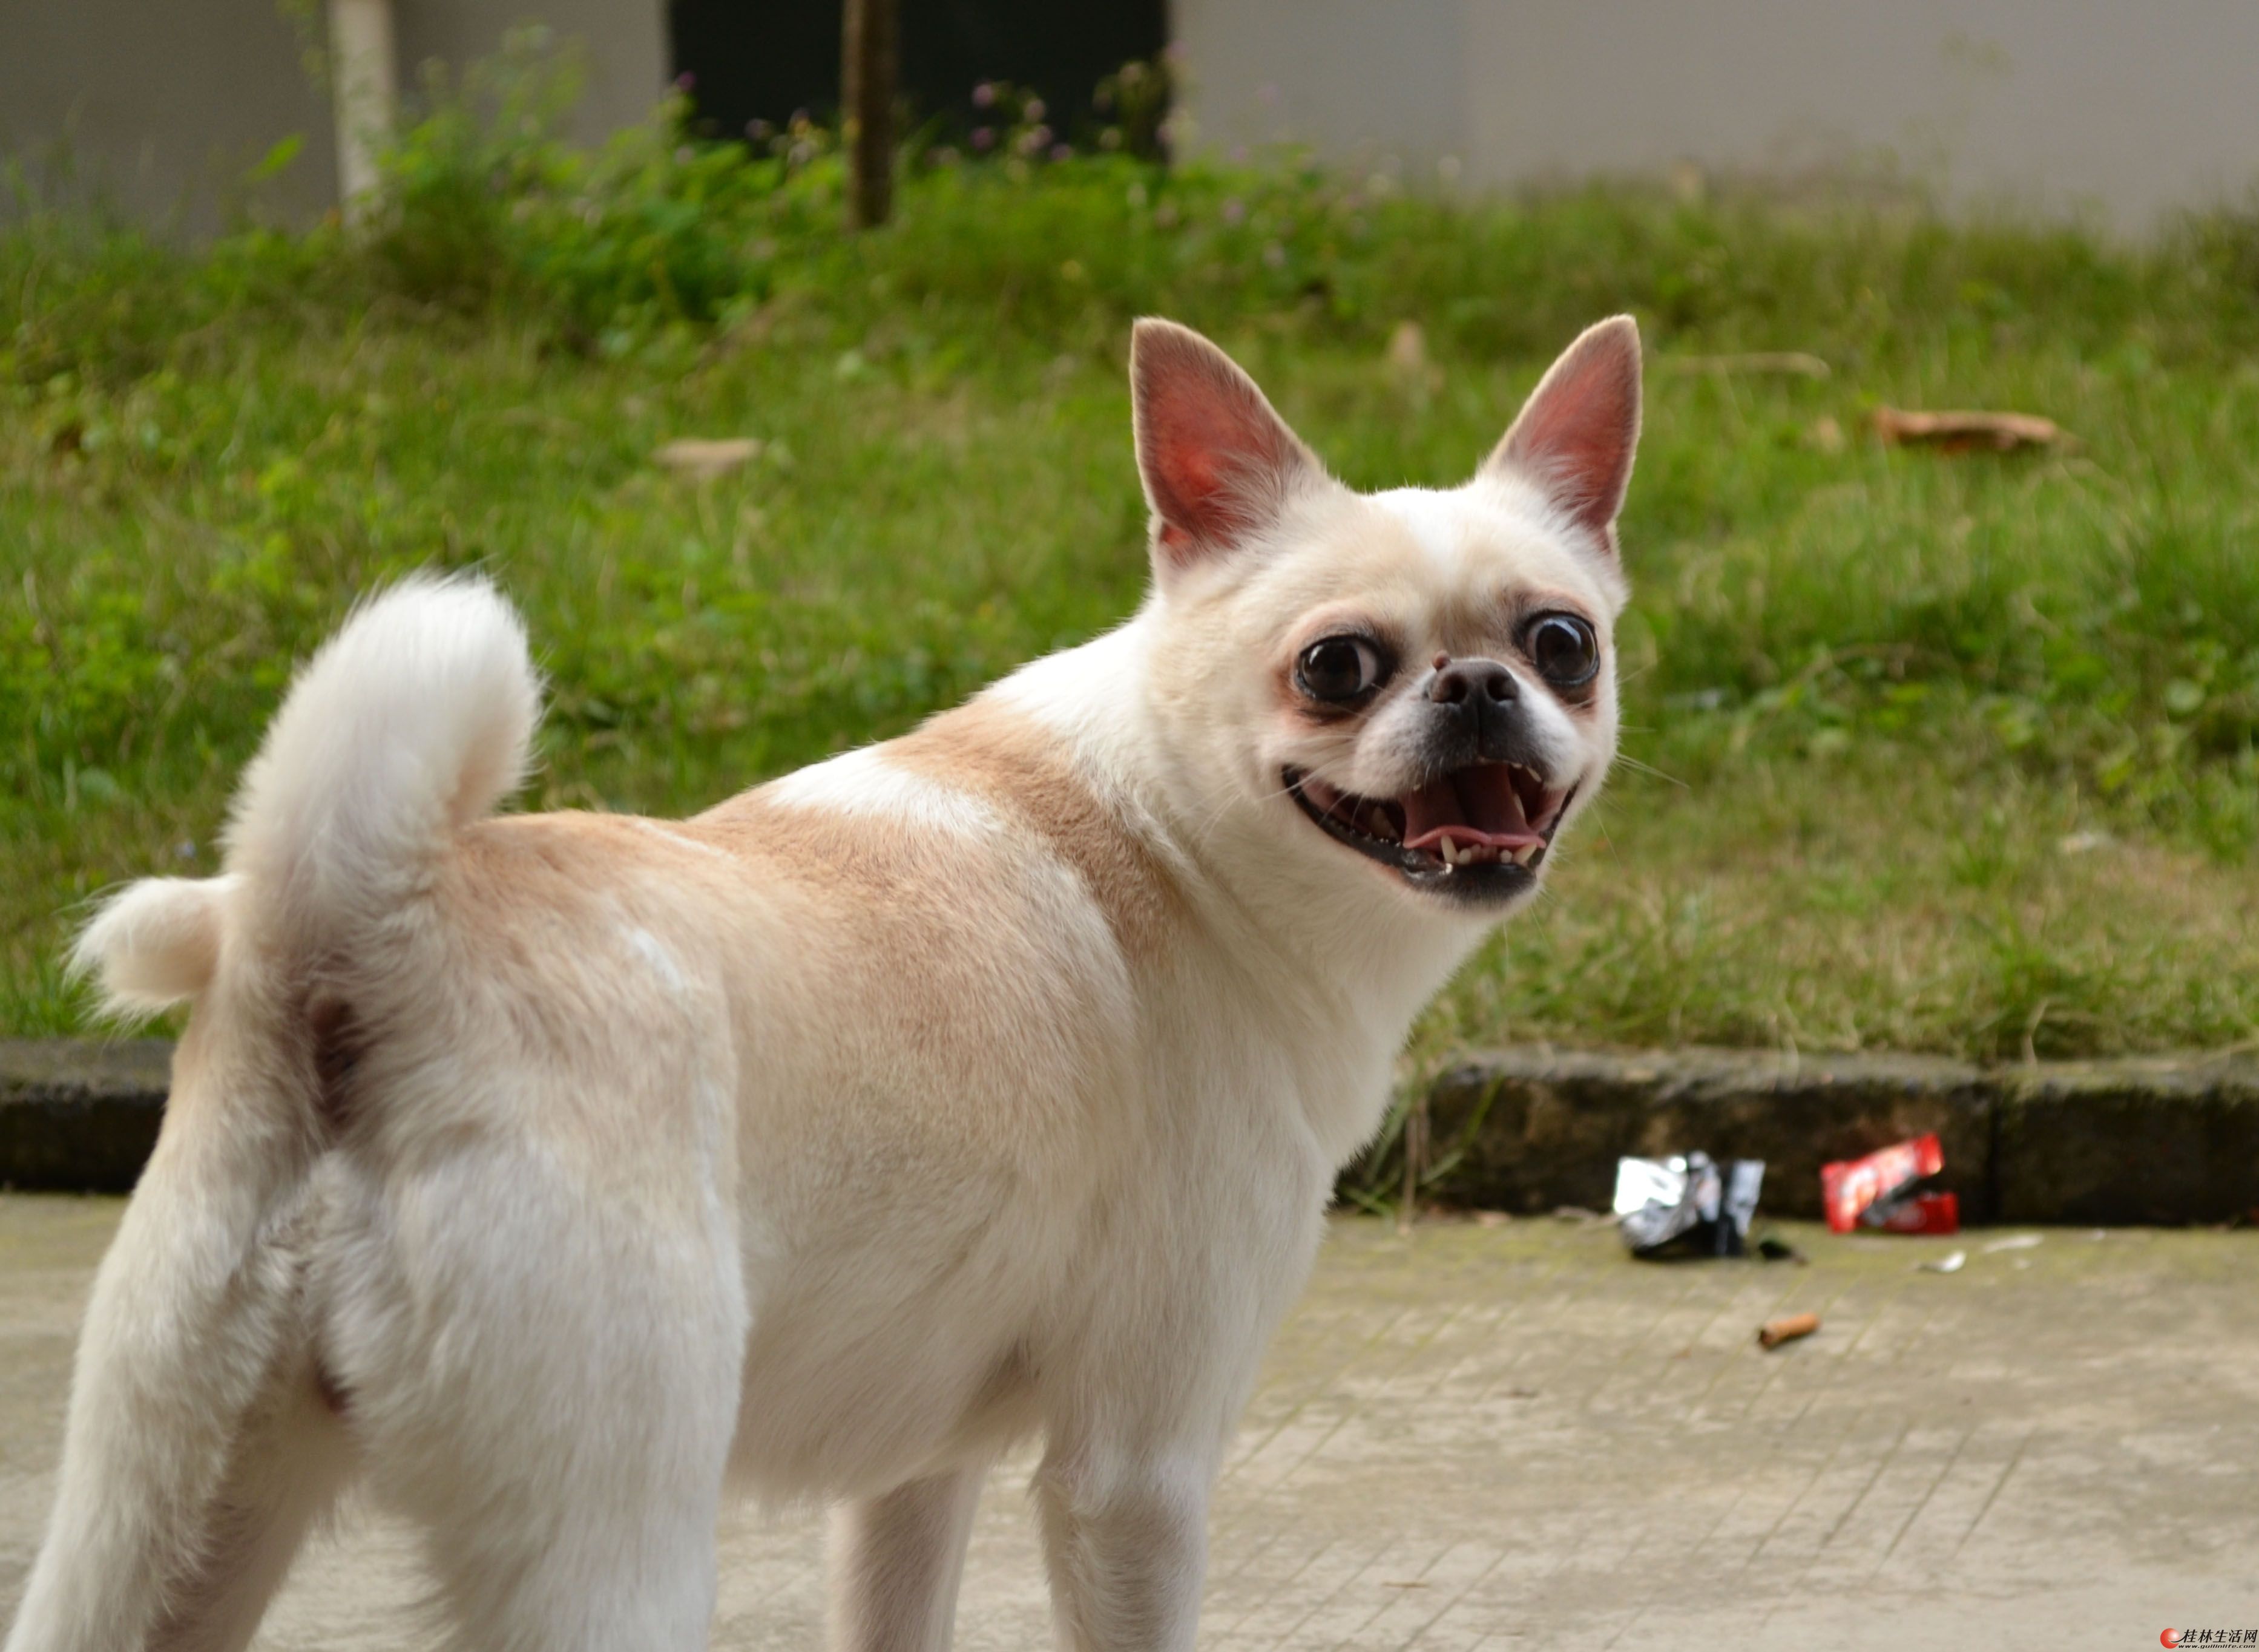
(1889, 1189)
(1687, 1204)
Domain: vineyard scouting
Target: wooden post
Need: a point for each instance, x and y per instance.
(365, 88)
(867, 82)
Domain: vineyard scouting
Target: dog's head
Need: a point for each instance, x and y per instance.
(1417, 684)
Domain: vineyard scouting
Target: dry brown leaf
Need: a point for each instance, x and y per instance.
(1961, 432)
(1408, 350)
(1800, 364)
(703, 458)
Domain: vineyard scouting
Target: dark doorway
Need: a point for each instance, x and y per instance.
(767, 60)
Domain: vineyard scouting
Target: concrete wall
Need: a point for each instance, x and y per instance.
(161, 105)
(2126, 107)
(623, 45)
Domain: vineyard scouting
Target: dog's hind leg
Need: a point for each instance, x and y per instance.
(543, 1357)
(895, 1561)
(198, 1313)
(286, 1473)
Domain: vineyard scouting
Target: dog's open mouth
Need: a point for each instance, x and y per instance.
(1481, 830)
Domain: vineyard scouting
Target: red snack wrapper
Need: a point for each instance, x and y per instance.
(1922, 1212)
(1850, 1187)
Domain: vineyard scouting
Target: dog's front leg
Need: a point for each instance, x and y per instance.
(1125, 1536)
(895, 1561)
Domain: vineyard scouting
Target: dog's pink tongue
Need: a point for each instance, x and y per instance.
(1474, 805)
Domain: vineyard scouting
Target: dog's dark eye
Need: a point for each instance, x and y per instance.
(1341, 669)
(1564, 649)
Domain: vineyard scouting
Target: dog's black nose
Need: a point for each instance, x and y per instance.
(1466, 682)
(1478, 714)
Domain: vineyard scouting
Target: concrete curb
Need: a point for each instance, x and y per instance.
(80, 1116)
(2149, 1139)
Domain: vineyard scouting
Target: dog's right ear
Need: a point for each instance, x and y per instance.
(1216, 461)
(1576, 435)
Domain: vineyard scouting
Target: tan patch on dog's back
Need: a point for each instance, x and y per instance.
(917, 889)
(975, 909)
(1006, 759)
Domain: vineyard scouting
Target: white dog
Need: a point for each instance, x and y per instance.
(546, 1174)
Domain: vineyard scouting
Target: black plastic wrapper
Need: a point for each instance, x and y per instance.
(1687, 1205)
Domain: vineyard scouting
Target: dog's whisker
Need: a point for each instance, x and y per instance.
(1633, 764)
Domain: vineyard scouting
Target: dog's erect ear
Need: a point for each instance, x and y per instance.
(1576, 435)
(1217, 462)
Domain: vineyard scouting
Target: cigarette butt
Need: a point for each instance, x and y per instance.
(1773, 1332)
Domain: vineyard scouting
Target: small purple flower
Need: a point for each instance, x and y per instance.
(1034, 110)
(984, 139)
(1274, 256)
(1235, 211)
(757, 130)
(984, 95)
(1041, 136)
(1060, 152)
(685, 80)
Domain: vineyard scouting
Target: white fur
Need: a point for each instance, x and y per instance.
(539, 1174)
(415, 720)
(153, 944)
(864, 783)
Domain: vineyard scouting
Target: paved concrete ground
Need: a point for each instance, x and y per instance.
(1514, 1437)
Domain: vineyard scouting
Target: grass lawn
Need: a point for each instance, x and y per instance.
(1930, 751)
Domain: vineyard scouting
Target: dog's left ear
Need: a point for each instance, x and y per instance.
(1576, 435)
(1218, 464)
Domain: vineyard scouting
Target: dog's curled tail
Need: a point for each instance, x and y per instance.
(411, 724)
